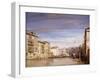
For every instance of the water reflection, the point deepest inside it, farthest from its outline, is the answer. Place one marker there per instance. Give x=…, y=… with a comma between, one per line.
x=52, y=62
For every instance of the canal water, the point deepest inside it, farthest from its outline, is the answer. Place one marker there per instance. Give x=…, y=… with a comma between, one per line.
x=52, y=62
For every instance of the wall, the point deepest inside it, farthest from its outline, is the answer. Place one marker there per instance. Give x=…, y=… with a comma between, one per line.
x=5, y=40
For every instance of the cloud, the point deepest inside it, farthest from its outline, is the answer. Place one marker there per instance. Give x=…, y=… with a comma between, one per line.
x=63, y=30
x=42, y=22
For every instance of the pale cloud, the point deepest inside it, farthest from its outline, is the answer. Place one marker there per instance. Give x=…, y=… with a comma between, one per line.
x=66, y=44
x=62, y=30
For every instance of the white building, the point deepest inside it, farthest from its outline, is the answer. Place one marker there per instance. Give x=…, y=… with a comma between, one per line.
x=55, y=51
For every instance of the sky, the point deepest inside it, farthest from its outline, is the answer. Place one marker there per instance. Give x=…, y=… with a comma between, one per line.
x=62, y=30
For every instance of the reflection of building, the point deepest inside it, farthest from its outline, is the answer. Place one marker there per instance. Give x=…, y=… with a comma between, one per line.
x=36, y=49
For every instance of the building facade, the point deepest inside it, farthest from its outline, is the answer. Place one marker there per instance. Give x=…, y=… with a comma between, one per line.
x=87, y=44
x=36, y=49
x=55, y=51
x=31, y=45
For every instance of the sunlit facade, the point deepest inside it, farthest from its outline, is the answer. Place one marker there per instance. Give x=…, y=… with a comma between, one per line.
x=36, y=49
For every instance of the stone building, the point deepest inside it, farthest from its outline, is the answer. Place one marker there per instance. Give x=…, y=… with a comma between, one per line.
x=31, y=45
x=55, y=51
x=41, y=49
x=36, y=49
x=46, y=49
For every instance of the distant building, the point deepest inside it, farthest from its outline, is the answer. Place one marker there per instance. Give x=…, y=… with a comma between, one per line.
x=65, y=52
x=44, y=49
x=55, y=51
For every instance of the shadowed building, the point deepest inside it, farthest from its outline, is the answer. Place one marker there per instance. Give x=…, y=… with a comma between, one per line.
x=87, y=44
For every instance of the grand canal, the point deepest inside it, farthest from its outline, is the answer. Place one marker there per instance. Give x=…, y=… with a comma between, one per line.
x=52, y=62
